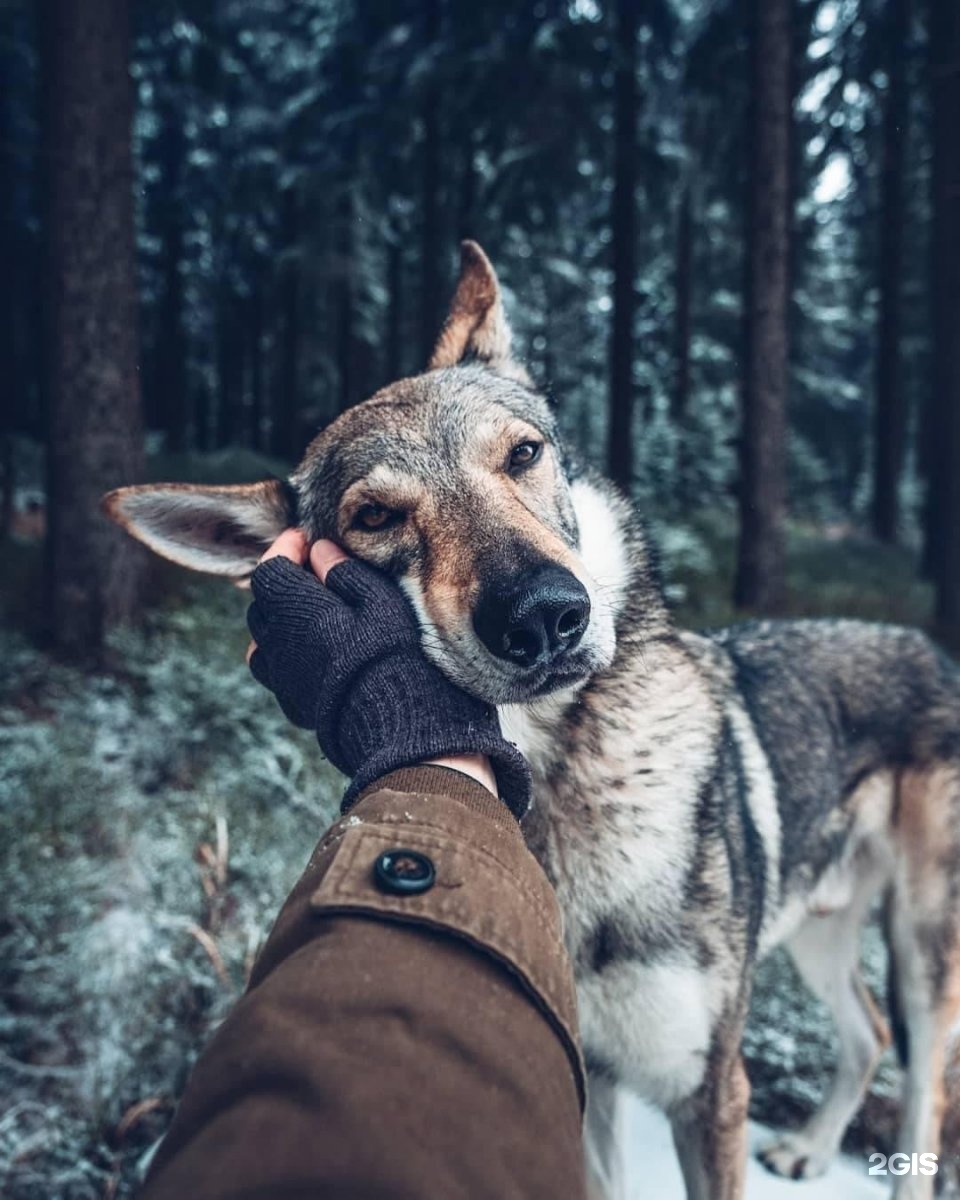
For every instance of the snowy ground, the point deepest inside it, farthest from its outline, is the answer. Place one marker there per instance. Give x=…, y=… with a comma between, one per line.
x=653, y=1170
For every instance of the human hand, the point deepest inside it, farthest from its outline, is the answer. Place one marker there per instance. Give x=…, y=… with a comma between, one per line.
x=340, y=650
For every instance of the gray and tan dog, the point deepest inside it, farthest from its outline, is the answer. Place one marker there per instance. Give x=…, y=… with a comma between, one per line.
x=698, y=799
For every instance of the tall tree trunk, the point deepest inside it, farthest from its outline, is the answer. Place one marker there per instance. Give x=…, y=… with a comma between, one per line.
x=430, y=235
x=202, y=414
x=945, y=45
x=935, y=456
x=13, y=294
x=95, y=434
x=229, y=369
x=623, y=221
x=255, y=362
x=683, y=292
x=467, y=198
x=286, y=401
x=345, y=341
x=394, y=363
x=547, y=367
x=760, y=580
x=8, y=483
x=346, y=323
x=171, y=357
x=890, y=416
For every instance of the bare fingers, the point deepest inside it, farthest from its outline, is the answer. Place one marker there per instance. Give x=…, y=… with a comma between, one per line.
x=324, y=556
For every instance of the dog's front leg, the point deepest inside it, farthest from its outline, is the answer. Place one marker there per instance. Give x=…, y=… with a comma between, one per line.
x=710, y=1131
x=602, y=1139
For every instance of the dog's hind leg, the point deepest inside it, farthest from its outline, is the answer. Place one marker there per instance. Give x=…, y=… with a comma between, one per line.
x=710, y=1128
x=826, y=950
x=923, y=929
x=928, y=1000
x=602, y=1144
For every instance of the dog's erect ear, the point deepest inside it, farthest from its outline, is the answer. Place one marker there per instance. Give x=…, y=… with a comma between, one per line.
x=220, y=530
x=476, y=328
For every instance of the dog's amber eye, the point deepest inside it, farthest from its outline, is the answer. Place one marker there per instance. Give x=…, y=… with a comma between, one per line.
x=525, y=454
x=375, y=516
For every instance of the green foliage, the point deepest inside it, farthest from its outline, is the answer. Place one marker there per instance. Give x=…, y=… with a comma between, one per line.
x=831, y=571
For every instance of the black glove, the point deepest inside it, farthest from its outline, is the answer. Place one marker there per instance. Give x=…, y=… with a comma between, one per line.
x=344, y=659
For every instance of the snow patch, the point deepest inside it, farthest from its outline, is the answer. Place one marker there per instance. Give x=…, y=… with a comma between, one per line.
x=652, y=1168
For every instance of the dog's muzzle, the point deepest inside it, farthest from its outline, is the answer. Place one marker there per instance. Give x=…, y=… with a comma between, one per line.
x=532, y=620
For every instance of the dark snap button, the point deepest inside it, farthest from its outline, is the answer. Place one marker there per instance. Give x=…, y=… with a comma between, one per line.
x=404, y=872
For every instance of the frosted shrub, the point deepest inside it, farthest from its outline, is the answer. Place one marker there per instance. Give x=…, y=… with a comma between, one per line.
x=151, y=823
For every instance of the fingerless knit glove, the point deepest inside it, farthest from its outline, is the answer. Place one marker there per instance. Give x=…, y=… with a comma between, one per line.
x=344, y=659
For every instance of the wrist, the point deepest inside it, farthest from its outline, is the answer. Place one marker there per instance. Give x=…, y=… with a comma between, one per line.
x=429, y=748
x=477, y=766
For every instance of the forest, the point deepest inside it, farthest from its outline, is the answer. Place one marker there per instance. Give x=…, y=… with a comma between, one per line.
x=729, y=237
x=728, y=232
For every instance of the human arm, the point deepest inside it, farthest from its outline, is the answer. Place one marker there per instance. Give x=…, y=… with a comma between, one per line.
x=396, y=1045
x=393, y=1043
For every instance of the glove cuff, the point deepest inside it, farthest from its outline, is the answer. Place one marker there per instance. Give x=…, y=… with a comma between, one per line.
x=402, y=711
x=509, y=766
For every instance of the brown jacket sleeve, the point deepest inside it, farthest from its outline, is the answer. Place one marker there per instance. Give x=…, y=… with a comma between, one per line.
x=396, y=1043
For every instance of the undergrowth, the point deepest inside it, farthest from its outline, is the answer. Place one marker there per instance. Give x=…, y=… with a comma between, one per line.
x=151, y=823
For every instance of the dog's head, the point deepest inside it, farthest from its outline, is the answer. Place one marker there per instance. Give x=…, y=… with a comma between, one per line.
x=454, y=483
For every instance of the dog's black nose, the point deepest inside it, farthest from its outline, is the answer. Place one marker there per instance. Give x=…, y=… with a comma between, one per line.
x=534, y=619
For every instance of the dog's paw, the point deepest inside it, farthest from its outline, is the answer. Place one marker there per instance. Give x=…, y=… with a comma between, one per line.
x=795, y=1157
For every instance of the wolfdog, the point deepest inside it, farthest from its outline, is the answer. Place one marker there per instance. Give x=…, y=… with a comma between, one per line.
x=699, y=798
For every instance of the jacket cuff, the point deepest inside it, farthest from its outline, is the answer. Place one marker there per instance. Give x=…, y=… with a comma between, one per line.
x=434, y=779
x=488, y=889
